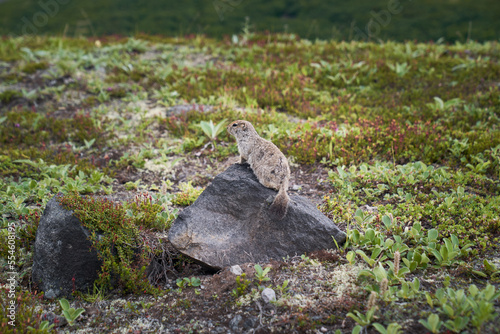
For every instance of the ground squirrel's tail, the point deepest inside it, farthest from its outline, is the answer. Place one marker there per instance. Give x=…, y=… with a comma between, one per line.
x=279, y=207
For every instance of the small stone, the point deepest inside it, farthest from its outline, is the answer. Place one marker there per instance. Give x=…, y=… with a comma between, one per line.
x=296, y=187
x=268, y=295
x=236, y=270
x=50, y=294
x=250, y=322
x=323, y=330
x=234, y=324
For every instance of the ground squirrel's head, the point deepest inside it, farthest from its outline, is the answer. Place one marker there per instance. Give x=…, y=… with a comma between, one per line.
x=241, y=129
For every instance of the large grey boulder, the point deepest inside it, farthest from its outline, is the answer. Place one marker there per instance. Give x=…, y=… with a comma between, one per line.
x=64, y=259
x=230, y=224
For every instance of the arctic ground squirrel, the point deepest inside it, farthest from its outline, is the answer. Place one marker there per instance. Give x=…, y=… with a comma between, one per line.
x=267, y=162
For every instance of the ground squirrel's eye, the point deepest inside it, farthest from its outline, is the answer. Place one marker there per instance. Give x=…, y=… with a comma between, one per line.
x=235, y=125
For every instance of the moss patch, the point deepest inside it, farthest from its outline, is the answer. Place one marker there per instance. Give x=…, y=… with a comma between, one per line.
x=117, y=239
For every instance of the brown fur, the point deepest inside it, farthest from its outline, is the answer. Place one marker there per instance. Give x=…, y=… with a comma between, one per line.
x=266, y=160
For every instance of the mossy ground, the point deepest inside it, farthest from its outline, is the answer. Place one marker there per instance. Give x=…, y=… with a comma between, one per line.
x=407, y=128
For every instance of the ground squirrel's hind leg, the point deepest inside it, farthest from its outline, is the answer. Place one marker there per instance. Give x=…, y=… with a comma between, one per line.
x=242, y=160
x=279, y=207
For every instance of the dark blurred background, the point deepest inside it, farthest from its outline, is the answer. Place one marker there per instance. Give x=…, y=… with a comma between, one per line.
x=421, y=20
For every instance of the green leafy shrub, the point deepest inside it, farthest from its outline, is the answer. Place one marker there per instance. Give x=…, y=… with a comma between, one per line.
x=147, y=212
x=117, y=240
x=31, y=68
x=363, y=141
x=420, y=192
x=31, y=128
x=187, y=195
x=465, y=309
x=241, y=285
x=31, y=135
x=26, y=312
x=212, y=131
x=9, y=95
x=70, y=313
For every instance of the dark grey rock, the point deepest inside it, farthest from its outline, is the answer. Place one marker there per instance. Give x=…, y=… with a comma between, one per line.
x=234, y=324
x=230, y=224
x=64, y=260
x=250, y=322
x=239, y=324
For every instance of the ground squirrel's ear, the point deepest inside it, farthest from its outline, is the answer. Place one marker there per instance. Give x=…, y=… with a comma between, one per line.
x=243, y=125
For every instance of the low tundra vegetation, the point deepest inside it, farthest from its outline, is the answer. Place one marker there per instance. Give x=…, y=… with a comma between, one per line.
x=400, y=140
